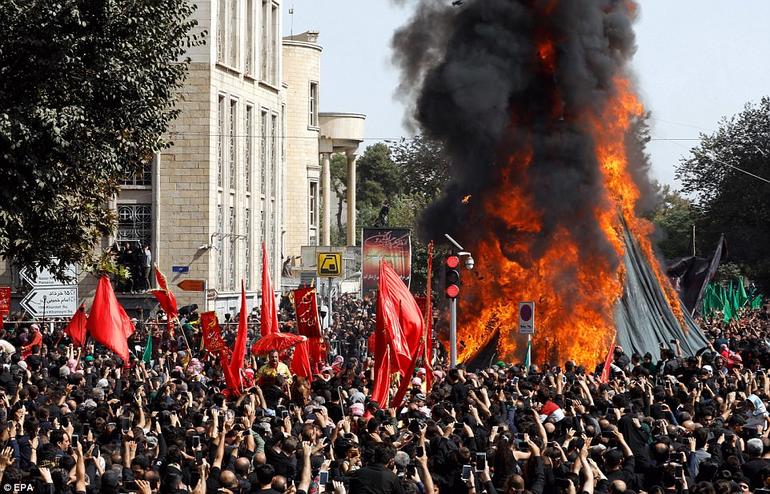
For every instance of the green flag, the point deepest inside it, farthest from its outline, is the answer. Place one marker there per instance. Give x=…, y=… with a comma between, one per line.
x=727, y=311
x=757, y=302
x=147, y=355
x=743, y=297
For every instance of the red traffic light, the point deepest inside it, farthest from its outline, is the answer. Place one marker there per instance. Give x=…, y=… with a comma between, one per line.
x=452, y=291
x=452, y=262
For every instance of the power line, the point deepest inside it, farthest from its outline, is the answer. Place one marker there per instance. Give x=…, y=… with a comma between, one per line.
x=389, y=138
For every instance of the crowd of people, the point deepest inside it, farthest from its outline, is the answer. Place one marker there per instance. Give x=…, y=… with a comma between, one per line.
x=76, y=420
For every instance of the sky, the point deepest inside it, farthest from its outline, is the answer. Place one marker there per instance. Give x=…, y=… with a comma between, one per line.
x=697, y=61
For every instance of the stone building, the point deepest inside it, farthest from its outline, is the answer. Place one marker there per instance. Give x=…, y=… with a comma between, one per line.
x=310, y=134
x=205, y=205
x=245, y=166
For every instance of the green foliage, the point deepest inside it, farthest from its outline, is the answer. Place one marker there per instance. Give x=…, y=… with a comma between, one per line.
x=86, y=93
x=728, y=200
x=674, y=218
x=423, y=166
x=377, y=177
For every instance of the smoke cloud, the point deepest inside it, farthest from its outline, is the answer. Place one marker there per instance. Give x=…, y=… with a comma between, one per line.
x=475, y=78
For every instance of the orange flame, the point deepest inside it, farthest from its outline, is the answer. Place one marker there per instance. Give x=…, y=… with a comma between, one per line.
x=575, y=320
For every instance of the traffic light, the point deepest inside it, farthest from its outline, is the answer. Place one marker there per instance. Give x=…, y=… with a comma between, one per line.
x=452, y=276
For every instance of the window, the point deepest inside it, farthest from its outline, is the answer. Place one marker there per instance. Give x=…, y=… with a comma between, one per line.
x=232, y=257
x=233, y=37
x=262, y=231
x=313, y=117
x=249, y=48
x=142, y=177
x=221, y=141
x=263, y=152
x=274, y=30
x=247, y=249
x=134, y=223
x=313, y=206
x=264, y=31
x=221, y=30
x=221, y=260
x=273, y=155
x=249, y=146
x=232, y=147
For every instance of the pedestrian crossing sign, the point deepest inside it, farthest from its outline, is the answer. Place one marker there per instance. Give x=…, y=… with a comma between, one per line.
x=329, y=264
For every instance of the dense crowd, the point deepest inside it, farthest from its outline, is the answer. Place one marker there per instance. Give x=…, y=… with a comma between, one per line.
x=76, y=420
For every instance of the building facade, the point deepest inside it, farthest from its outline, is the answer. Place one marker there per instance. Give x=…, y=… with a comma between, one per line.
x=249, y=164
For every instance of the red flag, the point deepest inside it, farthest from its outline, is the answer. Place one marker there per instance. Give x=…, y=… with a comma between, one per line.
x=300, y=362
x=108, y=323
x=269, y=316
x=76, y=329
x=605, y=377
x=165, y=297
x=381, y=386
x=399, y=330
x=317, y=351
x=239, y=350
x=212, y=335
x=306, y=309
x=215, y=345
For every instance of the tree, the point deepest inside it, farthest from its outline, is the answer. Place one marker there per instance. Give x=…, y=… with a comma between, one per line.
x=674, y=218
x=86, y=94
x=729, y=200
x=378, y=177
x=422, y=164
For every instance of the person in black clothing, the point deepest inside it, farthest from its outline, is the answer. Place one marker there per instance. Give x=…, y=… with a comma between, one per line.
x=377, y=477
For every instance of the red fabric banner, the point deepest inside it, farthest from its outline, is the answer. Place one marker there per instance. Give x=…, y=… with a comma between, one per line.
x=605, y=376
x=392, y=244
x=239, y=349
x=5, y=301
x=214, y=344
x=212, y=335
x=399, y=331
x=76, y=329
x=167, y=300
x=165, y=297
x=300, y=362
x=306, y=308
x=108, y=322
x=269, y=316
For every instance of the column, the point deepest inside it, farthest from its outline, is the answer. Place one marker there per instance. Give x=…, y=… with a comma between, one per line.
x=351, y=198
x=326, y=194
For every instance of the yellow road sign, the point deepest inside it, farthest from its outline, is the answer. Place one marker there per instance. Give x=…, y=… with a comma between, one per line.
x=329, y=264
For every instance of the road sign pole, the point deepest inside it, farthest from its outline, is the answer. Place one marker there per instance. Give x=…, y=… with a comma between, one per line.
x=453, y=332
x=329, y=303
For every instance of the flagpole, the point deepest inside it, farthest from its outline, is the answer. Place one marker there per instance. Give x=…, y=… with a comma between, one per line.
x=183, y=335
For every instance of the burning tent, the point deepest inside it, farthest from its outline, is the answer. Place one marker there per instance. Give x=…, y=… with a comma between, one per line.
x=534, y=102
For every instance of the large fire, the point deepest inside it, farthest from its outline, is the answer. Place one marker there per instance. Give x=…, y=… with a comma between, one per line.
x=575, y=318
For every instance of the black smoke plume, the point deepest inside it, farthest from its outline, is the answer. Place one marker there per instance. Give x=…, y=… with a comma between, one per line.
x=475, y=77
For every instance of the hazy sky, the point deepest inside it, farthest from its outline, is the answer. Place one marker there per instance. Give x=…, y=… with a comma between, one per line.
x=697, y=60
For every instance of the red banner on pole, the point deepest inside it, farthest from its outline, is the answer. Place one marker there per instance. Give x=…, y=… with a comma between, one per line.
x=394, y=245
x=306, y=308
x=5, y=301
x=212, y=335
